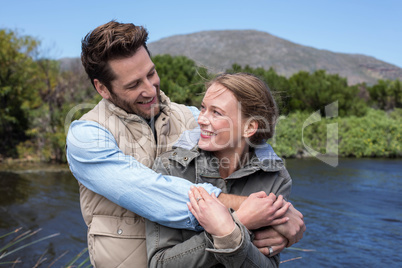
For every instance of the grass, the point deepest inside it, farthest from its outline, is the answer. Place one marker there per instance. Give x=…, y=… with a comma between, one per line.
x=16, y=243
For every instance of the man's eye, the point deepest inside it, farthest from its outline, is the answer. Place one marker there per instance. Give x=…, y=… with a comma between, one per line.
x=133, y=86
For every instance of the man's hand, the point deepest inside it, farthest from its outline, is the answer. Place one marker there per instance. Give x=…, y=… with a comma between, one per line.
x=269, y=237
x=260, y=210
x=294, y=228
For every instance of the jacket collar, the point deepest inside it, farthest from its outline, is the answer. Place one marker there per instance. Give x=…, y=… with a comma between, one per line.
x=265, y=156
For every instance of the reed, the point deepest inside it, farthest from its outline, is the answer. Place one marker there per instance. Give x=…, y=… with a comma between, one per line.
x=17, y=240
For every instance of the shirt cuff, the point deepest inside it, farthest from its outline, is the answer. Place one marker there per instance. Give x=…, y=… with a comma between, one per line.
x=231, y=240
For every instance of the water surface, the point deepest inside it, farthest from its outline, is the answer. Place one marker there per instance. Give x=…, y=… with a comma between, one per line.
x=352, y=212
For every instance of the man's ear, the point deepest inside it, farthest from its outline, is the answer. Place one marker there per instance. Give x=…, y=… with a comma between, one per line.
x=102, y=89
x=250, y=128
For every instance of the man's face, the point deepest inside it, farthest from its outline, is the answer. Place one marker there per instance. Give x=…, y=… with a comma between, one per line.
x=136, y=87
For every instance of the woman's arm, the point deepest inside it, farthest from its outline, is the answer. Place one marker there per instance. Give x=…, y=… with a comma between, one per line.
x=169, y=248
x=216, y=220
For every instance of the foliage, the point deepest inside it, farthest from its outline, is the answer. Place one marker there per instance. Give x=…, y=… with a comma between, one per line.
x=181, y=80
x=18, y=88
x=309, y=92
x=39, y=100
x=377, y=134
x=386, y=94
x=312, y=92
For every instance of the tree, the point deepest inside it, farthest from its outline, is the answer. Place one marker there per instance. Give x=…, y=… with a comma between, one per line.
x=312, y=92
x=181, y=79
x=18, y=84
x=386, y=94
x=60, y=90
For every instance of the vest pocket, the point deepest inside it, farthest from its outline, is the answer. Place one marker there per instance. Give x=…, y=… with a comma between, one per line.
x=115, y=241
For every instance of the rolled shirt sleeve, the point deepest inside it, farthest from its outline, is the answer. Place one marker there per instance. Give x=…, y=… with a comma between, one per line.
x=97, y=162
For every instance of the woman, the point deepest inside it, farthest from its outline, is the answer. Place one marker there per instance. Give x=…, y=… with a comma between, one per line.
x=238, y=112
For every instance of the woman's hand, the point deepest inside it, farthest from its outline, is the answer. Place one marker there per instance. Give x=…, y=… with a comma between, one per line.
x=210, y=212
x=260, y=210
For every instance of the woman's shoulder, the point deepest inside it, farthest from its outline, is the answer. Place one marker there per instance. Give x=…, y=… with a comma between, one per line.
x=180, y=155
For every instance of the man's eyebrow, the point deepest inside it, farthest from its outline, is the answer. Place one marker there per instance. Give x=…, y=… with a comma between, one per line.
x=130, y=84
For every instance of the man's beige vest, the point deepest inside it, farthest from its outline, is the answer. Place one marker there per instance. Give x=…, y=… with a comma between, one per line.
x=116, y=236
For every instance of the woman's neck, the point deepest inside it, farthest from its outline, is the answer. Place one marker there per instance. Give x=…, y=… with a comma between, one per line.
x=232, y=160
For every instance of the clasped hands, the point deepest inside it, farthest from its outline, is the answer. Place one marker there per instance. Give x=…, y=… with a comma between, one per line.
x=274, y=221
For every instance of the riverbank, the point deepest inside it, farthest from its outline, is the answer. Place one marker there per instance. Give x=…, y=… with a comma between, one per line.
x=25, y=166
x=302, y=135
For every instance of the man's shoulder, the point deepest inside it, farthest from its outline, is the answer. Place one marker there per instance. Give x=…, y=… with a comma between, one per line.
x=96, y=111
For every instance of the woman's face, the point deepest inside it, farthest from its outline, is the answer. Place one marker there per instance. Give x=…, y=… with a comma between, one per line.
x=220, y=121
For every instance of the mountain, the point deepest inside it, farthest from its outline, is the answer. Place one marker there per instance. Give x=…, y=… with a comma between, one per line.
x=218, y=50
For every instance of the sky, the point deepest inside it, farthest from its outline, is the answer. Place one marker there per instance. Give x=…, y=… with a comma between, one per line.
x=368, y=27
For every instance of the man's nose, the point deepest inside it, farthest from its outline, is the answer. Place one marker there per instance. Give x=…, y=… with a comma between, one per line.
x=149, y=89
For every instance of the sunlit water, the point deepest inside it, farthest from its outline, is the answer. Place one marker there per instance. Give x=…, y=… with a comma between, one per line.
x=353, y=213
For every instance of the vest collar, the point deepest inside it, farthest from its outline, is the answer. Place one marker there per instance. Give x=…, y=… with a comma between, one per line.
x=164, y=105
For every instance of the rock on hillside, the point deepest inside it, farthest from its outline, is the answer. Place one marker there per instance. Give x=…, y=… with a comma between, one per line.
x=218, y=50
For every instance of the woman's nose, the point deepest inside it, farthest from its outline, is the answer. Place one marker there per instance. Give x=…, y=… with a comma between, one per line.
x=202, y=119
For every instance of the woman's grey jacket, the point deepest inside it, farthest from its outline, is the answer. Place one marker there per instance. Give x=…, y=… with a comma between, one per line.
x=167, y=247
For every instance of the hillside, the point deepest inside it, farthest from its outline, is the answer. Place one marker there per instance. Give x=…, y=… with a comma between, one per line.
x=218, y=50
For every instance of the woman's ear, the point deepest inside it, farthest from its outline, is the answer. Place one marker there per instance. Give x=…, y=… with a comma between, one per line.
x=250, y=128
x=102, y=89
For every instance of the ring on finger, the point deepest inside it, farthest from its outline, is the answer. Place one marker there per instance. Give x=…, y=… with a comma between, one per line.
x=271, y=251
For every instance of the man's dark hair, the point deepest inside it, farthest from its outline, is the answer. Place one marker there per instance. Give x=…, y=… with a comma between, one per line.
x=110, y=41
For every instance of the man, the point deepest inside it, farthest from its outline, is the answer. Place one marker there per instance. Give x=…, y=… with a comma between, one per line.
x=111, y=148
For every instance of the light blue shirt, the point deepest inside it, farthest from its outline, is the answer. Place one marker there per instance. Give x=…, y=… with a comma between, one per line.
x=97, y=162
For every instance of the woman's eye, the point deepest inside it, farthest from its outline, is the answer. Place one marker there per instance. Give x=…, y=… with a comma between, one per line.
x=217, y=113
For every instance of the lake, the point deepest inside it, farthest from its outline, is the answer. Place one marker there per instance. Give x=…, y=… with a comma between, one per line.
x=352, y=212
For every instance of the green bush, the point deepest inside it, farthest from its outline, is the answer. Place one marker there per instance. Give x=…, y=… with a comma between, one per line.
x=378, y=134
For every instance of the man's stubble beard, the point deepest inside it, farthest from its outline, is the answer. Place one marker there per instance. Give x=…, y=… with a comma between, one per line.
x=134, y=109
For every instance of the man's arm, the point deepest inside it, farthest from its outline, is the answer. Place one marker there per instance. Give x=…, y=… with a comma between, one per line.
x=96, y=161
x=231, y=200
